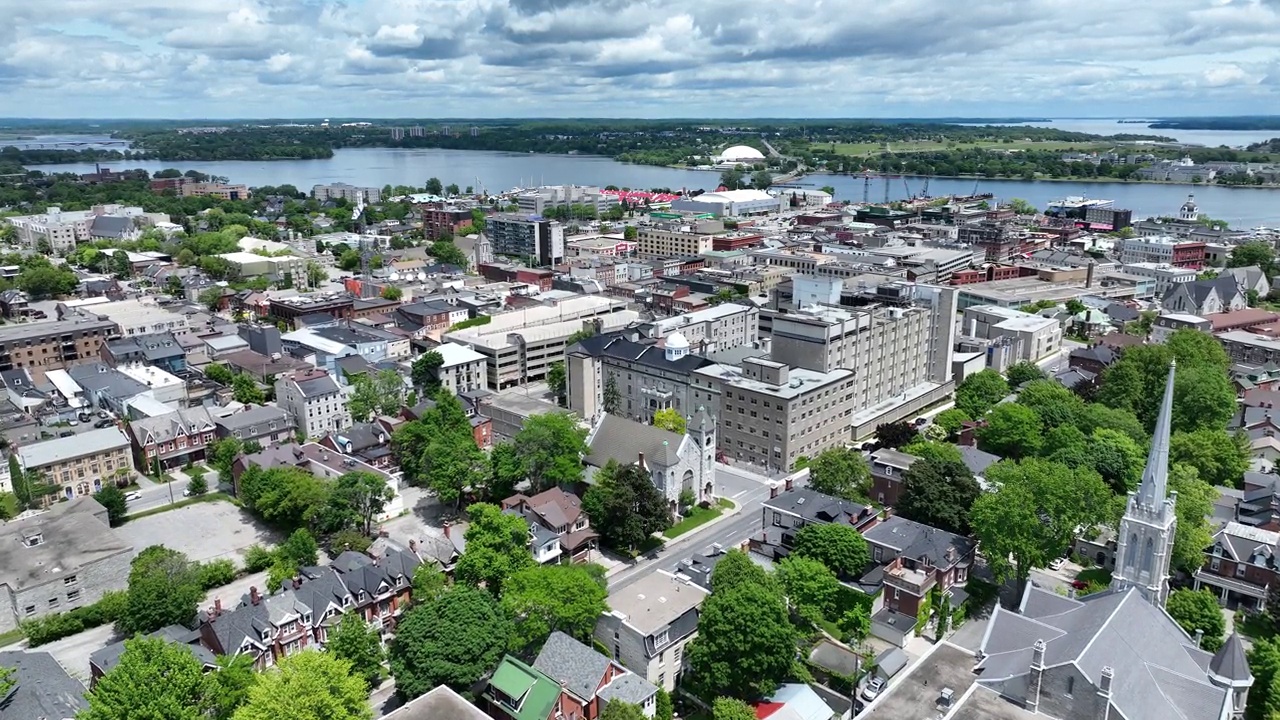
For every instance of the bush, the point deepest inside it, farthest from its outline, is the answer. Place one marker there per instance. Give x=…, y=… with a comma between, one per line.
x=46, y=629
x=258, y=558
x=215, y=573
x=349, y=540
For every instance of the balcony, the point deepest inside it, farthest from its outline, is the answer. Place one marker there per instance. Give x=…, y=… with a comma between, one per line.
x=912, y=582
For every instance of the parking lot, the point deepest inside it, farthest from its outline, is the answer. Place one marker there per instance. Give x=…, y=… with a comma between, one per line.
x=204, y=531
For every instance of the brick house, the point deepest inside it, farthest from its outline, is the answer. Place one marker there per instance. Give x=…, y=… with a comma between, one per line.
x=380, y=586
x=567, y=681
x=175, y=438
x=560, y=513
x=790, y=508
x=1240, y=565
x=915, y=557
x=369, y=442
x=888, y=472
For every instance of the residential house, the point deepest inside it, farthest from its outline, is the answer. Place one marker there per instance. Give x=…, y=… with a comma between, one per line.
x=650, y=626
x=161, y=350
x=888, y=473
x=264, y=424
x=380, y=586
x=577, y=680
x=676, y=463
x=175, y=438
x=463, y=369
x=1250, y=278
x=439, y=703
x=1240, y=565
x=102, y=661
x=315, y=401
x=59, y=560
x=795, y=701
x=1204, y=297
x=22, y=391
x=268, y=628
x=1093, y=360
x=559, y=513
x=912, y=558
x=321, y=461
x=41, y=688
x=369, y=442
x=79, y=466
x=14, y=303
x=790, y=508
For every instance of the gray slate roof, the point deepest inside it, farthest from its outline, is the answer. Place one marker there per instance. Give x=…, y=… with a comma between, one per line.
x=1159, y=673
x=440, y=703
x=919, y=541
x=629, y=688
x=1230, y=661
x=620, y=439
x=109, y=656
x=43, y=690
x=254, y=416
x=110, y=226
x=572, y=664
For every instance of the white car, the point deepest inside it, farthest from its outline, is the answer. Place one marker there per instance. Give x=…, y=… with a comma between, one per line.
x=873, y=688
x=1057, y=564
x=133, y=496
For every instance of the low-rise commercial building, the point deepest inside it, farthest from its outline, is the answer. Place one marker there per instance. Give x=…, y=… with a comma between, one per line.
x=78, y=467
x=1036, y=336
x=1166, y=276
x=1163, y=249
x=281, y=270
x=730, y=203
x=143, y=316
x=462, y=369
x=677, y=239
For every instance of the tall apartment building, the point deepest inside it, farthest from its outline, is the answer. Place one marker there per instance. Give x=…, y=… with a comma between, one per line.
x=526, y=237
x=439, y=219
x=723, y=327
x=538, y=200
x=350, y=193
x=45, y=346
x=771, y=414
x=648, y=378
x=677, y=239
x=63, y=229
x=901, y=338
x=521, y=345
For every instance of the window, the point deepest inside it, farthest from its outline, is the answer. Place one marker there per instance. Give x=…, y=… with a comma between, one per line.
x=29, y=610
x=1240, y=569
x=69, y=580
x=73, y=595
x=54, y=602
x=1071, y=685
x=661, y=639
x=662, y=679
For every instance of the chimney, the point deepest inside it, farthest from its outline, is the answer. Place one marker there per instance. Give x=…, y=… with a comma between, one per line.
x=446, y=529
x=254, y=597
x=640, y=462
x=789, y=483
x=1199, y=637
x=1037, y=670
x=1088, y=275
x=1104, y=691
x=413, y=544
x=217, y=607
x=773, y=490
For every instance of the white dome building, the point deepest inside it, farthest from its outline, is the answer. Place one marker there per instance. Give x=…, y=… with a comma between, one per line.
x=677, y=346
x=738, y=155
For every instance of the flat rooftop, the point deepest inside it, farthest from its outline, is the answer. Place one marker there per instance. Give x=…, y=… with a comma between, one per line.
x=916, y=694
x=655, y=601
x=41, y=454
x=800, y=380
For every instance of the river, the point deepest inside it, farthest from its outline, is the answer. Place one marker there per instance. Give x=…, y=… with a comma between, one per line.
x=498, y=172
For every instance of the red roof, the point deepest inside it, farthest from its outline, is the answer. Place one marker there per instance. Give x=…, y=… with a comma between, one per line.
x=765, y=709
x=1241, y=318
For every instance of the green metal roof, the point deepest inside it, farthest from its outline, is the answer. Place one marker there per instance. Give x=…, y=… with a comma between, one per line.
x=534, y=692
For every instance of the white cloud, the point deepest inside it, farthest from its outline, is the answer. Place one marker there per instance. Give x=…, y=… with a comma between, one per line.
x=847, y=58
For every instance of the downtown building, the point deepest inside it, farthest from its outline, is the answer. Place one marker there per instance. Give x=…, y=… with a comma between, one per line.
x=528, y=237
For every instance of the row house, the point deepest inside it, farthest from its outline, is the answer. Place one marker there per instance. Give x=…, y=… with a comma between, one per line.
x=263, y=424
x=381, y=586
x=789, y=509
x=557, y=517
x=567, y=681
x=888, y=474
x=172, y=439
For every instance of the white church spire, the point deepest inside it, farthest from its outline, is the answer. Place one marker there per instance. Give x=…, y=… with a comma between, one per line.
x=1144, y=543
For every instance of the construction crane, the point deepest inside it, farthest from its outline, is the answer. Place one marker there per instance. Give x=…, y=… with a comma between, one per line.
x=886, y=189
x=866, y=188
x=480, y=186
x=925, y=192
x=975, y=189
x=906, y=187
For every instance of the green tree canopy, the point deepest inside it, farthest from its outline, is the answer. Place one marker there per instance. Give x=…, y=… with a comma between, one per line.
x=1194, y=505
x=1023, y=372
x=1033, y=514
x=360, y=645
x=939, y=494
x=1053, y=404
x=669, y=419
x=552, y=446
x=838, y=546
x=112, y=498
x=810, y=587
x=1198, y=610
x=451, y=640
x=951, y=420
x=625, y=507
x=725, y=708
x=745, y=644
x=1219, y=458
x=497, y=548
x=979, y=392
x=736, y=569
x=153, y=679
x=1012, y=431
x=544, y=598
x=428, y=582
x=616, y=709
x=1256, y=253
x=308, y=685
x=842, y=472
x=164, y=589
x=1117, y=458
x=424, y=369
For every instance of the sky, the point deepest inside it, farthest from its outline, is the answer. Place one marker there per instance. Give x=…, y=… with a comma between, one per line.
x=637, y=58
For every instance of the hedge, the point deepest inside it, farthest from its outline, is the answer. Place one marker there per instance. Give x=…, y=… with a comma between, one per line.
x=108, y=609
x=473, y=322
x=216, y=573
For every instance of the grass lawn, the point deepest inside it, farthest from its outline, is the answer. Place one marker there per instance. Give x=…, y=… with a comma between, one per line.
x=11, y=637
x=697, y=517
x=1095, y=575
x=1256, y=626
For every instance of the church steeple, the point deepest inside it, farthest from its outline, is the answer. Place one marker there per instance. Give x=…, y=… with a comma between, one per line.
x=1145, y=539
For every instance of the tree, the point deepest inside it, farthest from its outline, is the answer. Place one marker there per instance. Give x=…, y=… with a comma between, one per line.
x=938, y=494
x=611, y=400
x=1198, y=610
x=855, y=624
x=316, y=274
x=163, y=590
x=1033, y=514
x=245, y=390
x=360, y=645
x=428, y=582
x=153, y=679
x=1203, y=398
x=625, y=506
x=355, y=500
x=212, y=298
x=497, y=548
x=219, y=373
x=1272, y=607
x=1096, y=415
x=745, y=645
x=451, y=640
x=951, y=420
x=424, y=371
x=229, y=684
x=308, y=685
x=505, y=471
x=1012, y=431
x=979, y=392
x=300, y=549
x=1255, y=253
x=1117, y=458
x=725, y=708
x=736, y=569
x=1023, y=372
x=1195, y=502
x=1022, y=207
x=10, y=506
x=363, y=401
x=838, y=546
x=542, y=599
x=1264, y=663
x=433, y=187
x=810, y=586
x=551, y=445
x=197, y=486
x=732, y=179
x=1054, y=404
x=557, y=381
x=761, y=179
x=896, y=434
x=669, y=419
x=391, y=292
x=617, y=709
x=112, y=498
x=840, y=471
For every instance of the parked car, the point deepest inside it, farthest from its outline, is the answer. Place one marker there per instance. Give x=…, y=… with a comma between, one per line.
x=66, y=433
x=1079, y=584
x=102, y=413
x=873, y=688
x=108, y=422
x=1057, y=563
x=133, y=496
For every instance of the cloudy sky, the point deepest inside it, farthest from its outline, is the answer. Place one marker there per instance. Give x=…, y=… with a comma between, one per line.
x=637, y=58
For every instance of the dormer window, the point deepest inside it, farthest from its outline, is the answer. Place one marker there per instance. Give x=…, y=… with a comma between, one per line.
x=266, y=634
x=34, y=540
x=661, y=639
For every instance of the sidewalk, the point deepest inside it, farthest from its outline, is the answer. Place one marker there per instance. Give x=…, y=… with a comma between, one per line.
x=669, y=544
